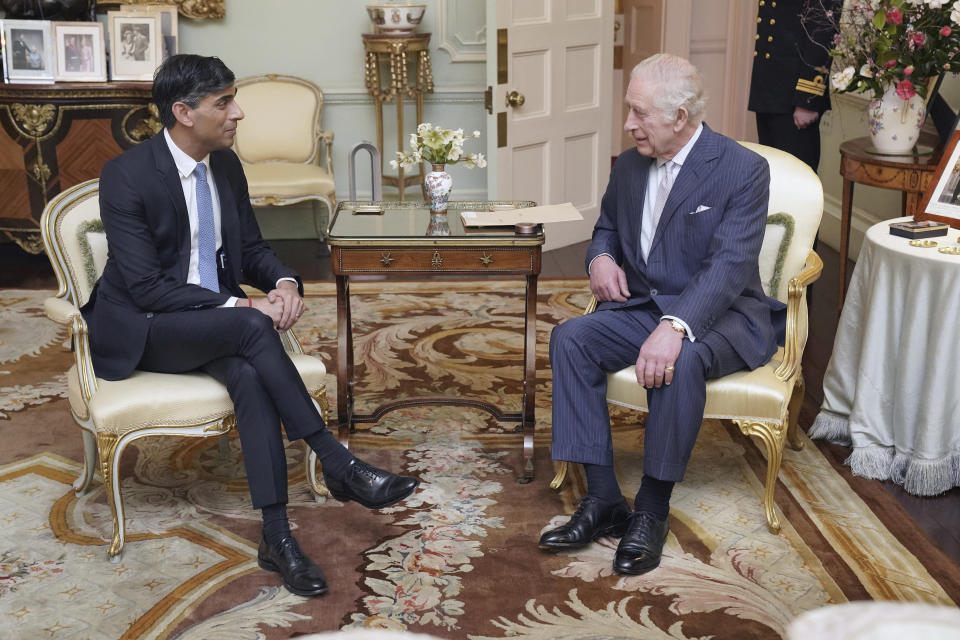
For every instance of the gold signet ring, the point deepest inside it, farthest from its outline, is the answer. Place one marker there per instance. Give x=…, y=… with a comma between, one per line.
x=670, y=369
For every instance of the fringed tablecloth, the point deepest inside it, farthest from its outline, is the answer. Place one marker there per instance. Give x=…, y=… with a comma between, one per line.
x=892, y=387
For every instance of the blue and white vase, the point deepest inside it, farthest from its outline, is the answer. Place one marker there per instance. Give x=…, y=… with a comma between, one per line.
x=437, y=184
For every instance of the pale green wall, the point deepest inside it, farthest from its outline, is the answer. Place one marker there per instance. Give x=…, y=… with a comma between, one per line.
x=320, y=40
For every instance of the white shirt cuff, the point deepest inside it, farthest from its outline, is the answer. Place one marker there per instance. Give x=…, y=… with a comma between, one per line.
x=293, y=280
x=686, y=327
x=231, y=302
x=595, y=257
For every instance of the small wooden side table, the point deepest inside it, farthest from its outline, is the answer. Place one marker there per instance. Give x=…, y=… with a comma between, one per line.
x=397, y=51
x=911, y=174
x=394, y=245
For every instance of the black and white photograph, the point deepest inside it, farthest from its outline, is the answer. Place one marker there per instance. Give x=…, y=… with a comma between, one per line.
x=81, y=56
x=168, y=24
x=28, y=51
x=136, y=44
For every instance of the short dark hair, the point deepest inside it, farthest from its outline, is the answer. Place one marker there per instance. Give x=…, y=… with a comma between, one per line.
x=187, y=78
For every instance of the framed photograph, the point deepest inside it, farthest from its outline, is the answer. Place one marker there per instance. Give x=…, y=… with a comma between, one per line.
x=27, y=51
x=81, y=52
x=136, y=44
x=168, y=23
x=941, y=202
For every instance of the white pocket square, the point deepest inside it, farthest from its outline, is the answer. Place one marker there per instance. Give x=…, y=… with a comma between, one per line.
x=700, y=209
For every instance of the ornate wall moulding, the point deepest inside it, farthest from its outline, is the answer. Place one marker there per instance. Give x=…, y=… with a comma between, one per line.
x=462, y=30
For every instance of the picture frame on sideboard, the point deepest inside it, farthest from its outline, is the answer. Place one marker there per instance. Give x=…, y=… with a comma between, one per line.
x=81, y=54
x=28, y=54
x=136, y=44
x=168, y=23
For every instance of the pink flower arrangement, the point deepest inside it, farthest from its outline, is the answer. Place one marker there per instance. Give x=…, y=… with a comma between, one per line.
x=899, y=43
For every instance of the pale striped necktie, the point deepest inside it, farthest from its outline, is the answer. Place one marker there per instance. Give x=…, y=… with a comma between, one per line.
x=667, y=174
x=206, y=232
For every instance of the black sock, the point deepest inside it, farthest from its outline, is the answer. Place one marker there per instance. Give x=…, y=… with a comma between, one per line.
x=654, y=496
x=275, y=523
x=334, y=457
x=602, y=482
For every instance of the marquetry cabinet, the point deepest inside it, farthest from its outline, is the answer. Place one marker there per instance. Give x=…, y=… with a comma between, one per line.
x=55, y=136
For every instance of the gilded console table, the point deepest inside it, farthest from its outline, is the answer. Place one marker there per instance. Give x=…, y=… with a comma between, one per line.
x=399, y=53
x=55, y=136
x=395, y=244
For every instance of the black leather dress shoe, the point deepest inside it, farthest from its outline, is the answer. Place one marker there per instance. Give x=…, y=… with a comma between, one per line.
x=640, y=549
x=591, y=520
x=372, y=487
x=300, y=575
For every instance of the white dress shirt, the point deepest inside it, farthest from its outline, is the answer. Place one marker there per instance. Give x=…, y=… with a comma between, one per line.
x=185, y=166
x=649, y=225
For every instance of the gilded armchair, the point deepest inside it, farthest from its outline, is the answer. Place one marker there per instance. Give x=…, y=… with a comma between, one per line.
x=287, y=156
x=765, y=402
x=113, y=414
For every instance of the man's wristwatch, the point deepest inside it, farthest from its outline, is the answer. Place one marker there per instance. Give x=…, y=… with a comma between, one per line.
x=678, y=327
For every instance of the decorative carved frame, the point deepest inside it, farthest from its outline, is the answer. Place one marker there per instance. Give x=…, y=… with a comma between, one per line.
x=196, y=9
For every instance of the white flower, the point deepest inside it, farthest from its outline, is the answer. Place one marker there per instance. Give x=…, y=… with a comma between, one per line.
x=422, y=128
x=394, y=164
x=955, y=13
x=476, y=134
x=841, y=79
x=936, y=4
x=865, y=71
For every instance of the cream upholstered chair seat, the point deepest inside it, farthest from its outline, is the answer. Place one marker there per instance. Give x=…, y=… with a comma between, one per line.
x=113, y=414
x=764, y=402
x=287, y=156
x=286, y=180
x=755, y=395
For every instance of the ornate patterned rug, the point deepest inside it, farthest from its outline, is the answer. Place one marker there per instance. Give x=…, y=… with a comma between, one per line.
x=459, y=558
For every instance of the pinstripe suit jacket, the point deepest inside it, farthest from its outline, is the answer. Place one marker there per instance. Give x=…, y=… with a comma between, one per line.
x=702, y=266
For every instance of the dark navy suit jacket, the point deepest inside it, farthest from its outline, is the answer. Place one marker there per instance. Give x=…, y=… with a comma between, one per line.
x=148, y=238
x=703, y=262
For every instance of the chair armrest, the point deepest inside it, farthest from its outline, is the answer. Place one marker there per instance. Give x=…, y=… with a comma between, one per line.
x=65, y=313
x=60, y=311
x=327, y=138
x=290, y=342
x=793, y=342
x=591, y=306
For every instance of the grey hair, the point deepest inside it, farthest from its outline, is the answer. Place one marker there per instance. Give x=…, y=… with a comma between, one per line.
x=678, y=84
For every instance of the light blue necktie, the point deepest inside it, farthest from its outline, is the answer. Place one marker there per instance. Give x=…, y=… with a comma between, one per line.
x=206, y=232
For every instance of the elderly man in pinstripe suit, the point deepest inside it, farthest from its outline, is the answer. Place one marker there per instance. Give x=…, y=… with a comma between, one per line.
x=673, y=264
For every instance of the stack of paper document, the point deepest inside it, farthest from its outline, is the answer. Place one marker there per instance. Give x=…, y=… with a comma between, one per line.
x=509, y=217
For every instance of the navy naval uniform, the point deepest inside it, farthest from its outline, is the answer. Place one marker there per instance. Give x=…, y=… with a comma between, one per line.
x=791, y=68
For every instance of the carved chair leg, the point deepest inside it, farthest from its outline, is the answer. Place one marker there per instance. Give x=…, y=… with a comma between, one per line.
x=82, y=483
x=321, y=218
x=560, y=476
x=314, y=474
x=793, y=417
x=109, y=467
x=772, y=436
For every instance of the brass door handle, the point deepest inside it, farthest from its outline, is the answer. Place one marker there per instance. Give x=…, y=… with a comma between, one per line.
x=515, y=99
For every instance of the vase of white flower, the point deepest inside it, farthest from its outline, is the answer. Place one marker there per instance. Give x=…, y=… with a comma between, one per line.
x=439, y=147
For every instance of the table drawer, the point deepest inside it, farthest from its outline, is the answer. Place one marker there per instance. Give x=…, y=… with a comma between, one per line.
x=437, y=260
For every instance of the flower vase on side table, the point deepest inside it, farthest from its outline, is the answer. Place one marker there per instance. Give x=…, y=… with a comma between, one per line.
x=438, y=184
x=895, y=123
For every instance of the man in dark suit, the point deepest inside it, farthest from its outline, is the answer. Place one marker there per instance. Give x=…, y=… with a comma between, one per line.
x=791, y=66
x=181, y=238
x=673, y=264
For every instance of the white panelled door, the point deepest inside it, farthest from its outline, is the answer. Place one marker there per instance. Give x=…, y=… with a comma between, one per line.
x=550, y=64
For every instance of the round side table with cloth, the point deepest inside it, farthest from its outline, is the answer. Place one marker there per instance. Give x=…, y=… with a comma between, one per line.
x=877, y=621
x=892, y=387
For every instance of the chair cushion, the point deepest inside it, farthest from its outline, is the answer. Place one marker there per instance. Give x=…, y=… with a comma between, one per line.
x=287, y=180
x=756, y=394
x=159, y=399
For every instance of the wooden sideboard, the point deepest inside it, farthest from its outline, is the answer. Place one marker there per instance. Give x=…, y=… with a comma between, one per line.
x=55, y=136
